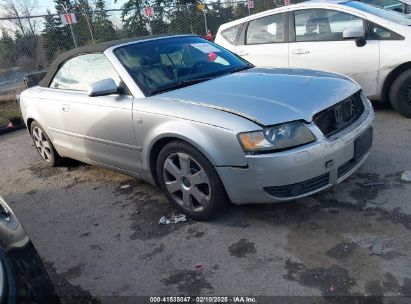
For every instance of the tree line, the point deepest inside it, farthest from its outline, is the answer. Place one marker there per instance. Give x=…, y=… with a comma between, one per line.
x=23, y=45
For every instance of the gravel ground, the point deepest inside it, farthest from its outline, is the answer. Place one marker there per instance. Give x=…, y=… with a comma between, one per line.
x=99, y=240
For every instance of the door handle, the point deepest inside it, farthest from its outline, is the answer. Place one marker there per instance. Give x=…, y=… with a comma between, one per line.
x=242, y=53
x=300, y=52
x=65, y=107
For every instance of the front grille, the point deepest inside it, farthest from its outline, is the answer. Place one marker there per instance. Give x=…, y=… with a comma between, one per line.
x=299, y=188
x=340, y=115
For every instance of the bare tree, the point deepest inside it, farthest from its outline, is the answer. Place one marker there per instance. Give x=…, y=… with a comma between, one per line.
x=20, y=12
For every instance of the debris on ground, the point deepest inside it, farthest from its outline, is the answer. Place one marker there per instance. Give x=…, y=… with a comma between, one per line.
x=125, y=186
x=406, y=176
x=199, y=266
x=376, y=247
x=372, y=184
x=174, y=219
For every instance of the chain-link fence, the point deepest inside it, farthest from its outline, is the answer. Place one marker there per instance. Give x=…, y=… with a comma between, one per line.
x=28, y=44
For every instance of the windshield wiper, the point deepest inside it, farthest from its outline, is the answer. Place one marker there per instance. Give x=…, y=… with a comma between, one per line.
x=180, y=84
x=189, y=82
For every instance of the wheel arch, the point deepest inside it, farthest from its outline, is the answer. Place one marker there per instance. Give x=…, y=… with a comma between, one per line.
x=160, y=143
x=28, y=123
x=389, y=80
x=219, y=146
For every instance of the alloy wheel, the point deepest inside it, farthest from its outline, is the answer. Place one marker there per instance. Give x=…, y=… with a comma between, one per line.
x=42, y=144
x=186, y=181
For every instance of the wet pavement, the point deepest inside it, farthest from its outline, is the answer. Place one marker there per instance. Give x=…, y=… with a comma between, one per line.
x=98, y=239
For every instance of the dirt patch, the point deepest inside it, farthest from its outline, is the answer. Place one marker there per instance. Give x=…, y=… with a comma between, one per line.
x=189, y=282
x=368, y=186
x=31, y=192
x=332, y=281
x=73, y=272
x=342, y=250
x=43, y=171
x=194, y=232
x=157, y=250
x=242, y=248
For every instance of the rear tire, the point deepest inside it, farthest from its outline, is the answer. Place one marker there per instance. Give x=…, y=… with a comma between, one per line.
x=44, y=145
x=400, y=94
x=190, y=181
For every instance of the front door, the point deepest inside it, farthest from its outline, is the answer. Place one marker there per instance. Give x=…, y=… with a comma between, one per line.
x=319, y=45
x=100, y=128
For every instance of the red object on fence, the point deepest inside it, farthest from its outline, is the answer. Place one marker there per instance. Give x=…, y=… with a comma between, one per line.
x=208, y=36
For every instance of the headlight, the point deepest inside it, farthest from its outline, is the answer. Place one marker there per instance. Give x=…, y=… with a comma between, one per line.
x=278, y=137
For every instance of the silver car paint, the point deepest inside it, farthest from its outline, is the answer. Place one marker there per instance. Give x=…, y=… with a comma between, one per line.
x=119, y=132
x=294, y=94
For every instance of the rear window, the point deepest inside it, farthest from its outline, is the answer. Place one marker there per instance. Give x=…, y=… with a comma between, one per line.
x=232, y=34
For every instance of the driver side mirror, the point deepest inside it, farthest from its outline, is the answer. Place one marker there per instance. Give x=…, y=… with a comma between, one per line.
x=102, y=87
x=356, y=34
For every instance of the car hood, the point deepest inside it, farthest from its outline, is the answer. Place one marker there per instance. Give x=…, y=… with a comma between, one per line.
x=269, y=96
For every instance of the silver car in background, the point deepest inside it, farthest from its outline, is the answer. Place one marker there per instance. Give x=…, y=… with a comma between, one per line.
x=200, y=122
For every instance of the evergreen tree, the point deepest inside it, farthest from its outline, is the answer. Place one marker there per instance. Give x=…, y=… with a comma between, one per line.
x=57, y=38
x=103, y=26
x=8, y=54
x=134, y=22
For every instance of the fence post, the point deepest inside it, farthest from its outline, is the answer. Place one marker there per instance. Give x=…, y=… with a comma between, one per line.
x=150, y=30
x=205, y=21
x=89, y=28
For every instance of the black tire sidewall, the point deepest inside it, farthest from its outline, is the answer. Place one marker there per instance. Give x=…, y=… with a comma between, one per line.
x=218, y=195
x=55, y=158
x=397, y=98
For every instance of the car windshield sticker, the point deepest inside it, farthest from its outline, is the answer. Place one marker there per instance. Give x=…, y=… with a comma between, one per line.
x=205, y=47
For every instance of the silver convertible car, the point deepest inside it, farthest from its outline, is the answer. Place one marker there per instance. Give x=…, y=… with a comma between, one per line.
x=203, y=124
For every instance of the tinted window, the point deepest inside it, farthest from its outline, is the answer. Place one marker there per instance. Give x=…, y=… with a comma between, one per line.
x=232, y=34
x=167, y=64
x=81, y=71
x=268, y=29
x=323, y=25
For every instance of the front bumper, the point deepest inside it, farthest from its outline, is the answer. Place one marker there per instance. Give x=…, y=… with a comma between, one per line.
x=292, y=174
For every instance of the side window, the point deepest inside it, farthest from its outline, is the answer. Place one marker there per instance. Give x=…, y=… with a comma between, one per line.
x=268, y=29
x=232, y=34
x=376, y=32
x=81, y=71
x=62, y=78
x=323, y=25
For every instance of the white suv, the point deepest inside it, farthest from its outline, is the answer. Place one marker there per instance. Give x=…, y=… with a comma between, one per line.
x=367, y=43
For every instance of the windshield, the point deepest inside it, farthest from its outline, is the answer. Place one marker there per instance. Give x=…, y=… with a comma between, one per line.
x=165, y=64
x=386, y=14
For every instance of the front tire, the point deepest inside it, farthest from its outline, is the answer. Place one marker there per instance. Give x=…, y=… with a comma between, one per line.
x=43, y=145
x=190, y=181
x=400, y=94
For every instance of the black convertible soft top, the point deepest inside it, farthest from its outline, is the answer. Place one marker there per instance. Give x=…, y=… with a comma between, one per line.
x=96, y=48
